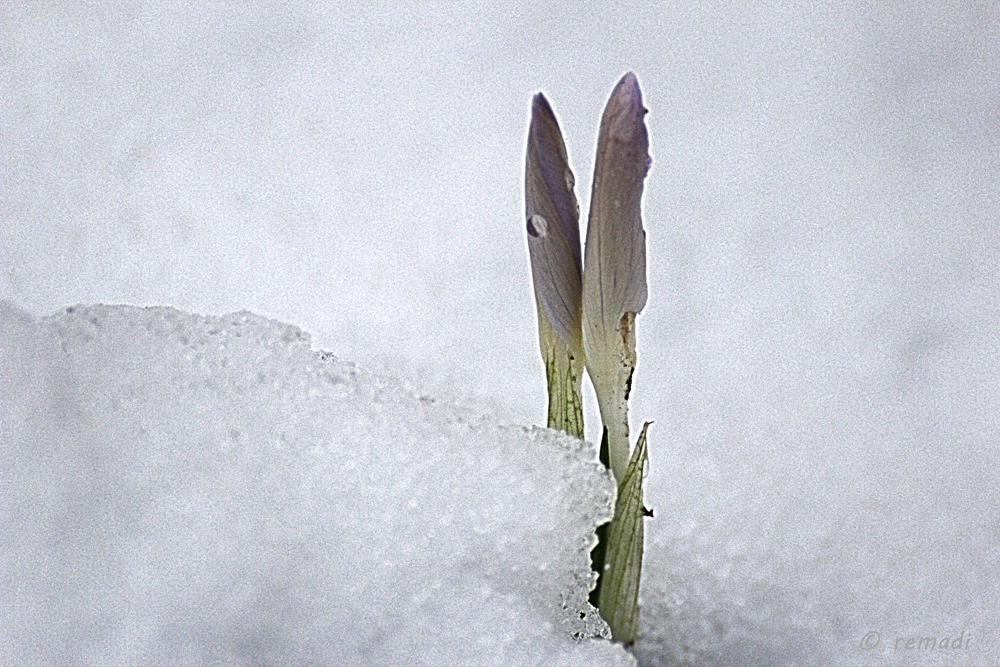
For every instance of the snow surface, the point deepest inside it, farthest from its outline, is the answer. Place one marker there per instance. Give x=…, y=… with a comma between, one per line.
x=819, y=352
x=185, y=490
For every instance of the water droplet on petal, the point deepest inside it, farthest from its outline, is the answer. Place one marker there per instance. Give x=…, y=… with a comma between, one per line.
x=538, y=226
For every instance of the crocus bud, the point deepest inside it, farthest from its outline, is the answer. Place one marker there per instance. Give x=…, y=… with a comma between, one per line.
x=614, y=280
x=552, y=222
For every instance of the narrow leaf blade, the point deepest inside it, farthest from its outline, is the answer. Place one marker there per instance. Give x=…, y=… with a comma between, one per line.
x=619, y=594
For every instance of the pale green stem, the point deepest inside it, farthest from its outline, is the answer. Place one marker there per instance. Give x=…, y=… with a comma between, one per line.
x=611, y=363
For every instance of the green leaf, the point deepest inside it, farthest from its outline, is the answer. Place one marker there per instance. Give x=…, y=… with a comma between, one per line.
x=564, y=376
x=619, y=596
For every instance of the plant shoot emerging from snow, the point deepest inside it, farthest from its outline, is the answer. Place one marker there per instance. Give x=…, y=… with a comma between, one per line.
x=586, y=315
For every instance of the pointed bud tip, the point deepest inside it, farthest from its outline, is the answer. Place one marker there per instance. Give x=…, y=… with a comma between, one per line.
x=625, y=110
x=542, y=116
x=627, y=91
x=539, y=104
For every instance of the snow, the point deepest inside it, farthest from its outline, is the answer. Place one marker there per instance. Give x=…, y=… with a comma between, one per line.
x=818, y=353
x=210, y=490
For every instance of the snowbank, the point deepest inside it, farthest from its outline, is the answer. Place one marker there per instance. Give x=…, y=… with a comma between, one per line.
x=191, y=490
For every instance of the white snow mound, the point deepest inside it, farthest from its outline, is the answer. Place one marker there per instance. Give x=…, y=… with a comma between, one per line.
x=187, y=490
